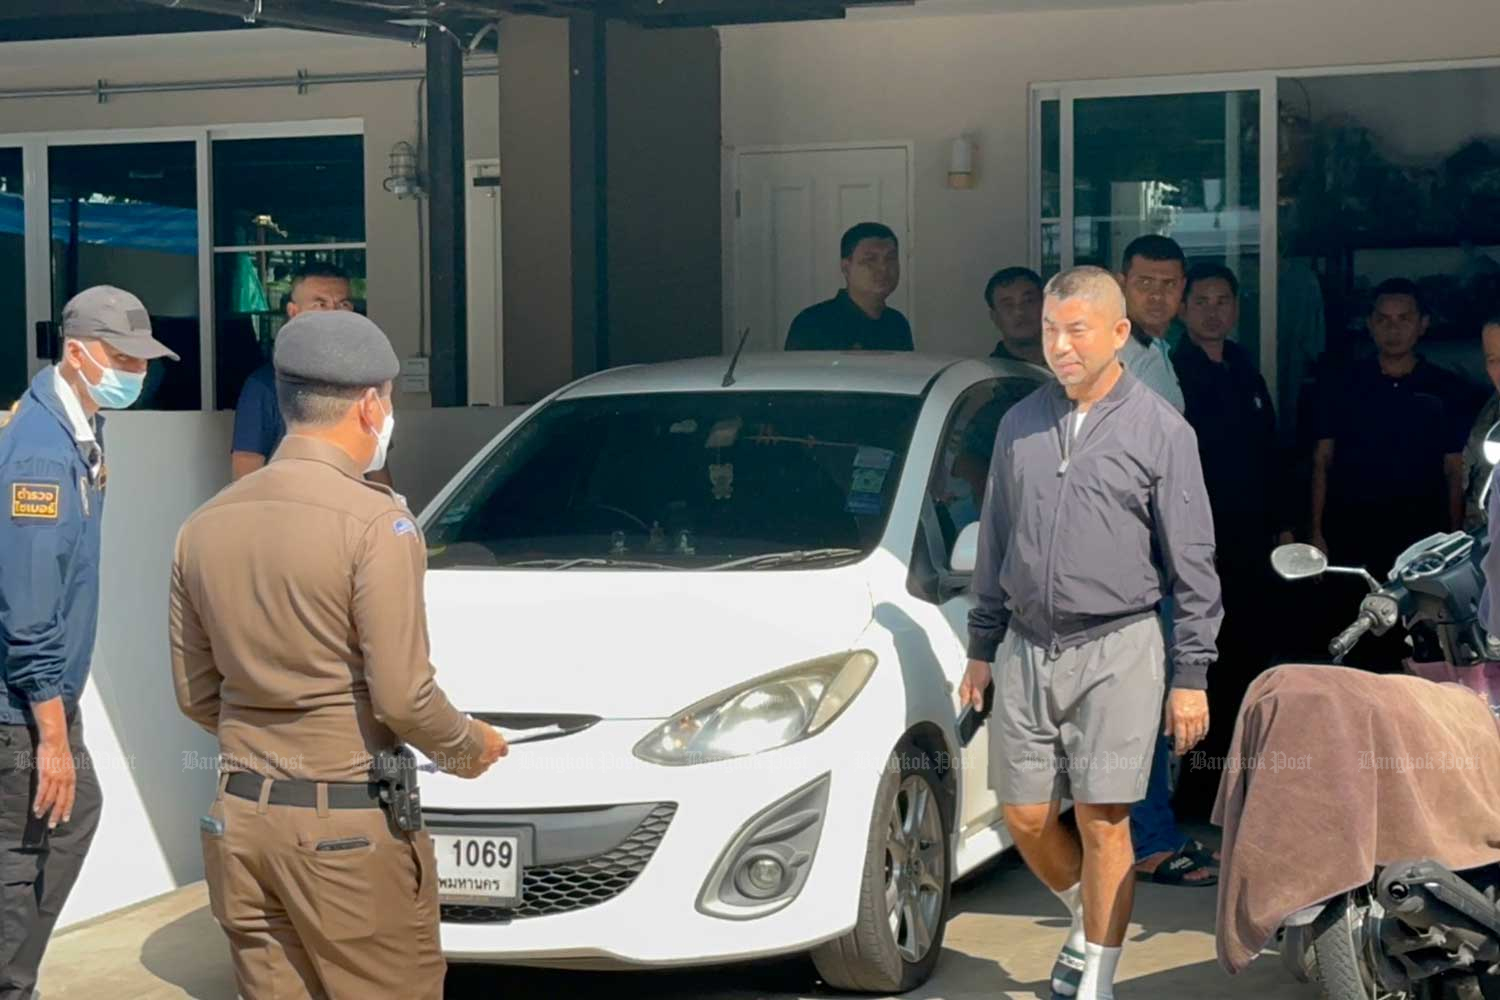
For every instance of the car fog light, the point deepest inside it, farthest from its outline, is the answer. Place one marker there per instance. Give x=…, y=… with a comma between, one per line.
x=767, y=863
x=763, y=877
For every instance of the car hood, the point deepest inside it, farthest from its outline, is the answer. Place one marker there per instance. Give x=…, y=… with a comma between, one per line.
x=630, y=645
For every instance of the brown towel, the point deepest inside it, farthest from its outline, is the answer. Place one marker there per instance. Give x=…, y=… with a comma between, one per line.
x=1340, y=771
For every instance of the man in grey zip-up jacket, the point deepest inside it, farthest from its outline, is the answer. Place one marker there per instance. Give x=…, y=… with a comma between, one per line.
x=1096, y=511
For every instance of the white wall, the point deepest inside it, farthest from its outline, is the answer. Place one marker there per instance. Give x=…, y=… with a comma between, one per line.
x=161, y=467
x=897, y=74
x=389, y=111
x=155, y=766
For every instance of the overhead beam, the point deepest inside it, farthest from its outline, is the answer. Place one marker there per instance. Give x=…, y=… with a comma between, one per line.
x=445, y=205
x=151, y=22
x=279, y=15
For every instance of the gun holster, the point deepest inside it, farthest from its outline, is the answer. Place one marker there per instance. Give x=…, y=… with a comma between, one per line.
x=395, y=771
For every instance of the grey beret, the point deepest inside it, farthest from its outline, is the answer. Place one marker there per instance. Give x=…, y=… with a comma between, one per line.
x=334, y=348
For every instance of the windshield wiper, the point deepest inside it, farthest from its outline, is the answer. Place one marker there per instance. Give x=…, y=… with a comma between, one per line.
x=794, y=556
x=588, y=561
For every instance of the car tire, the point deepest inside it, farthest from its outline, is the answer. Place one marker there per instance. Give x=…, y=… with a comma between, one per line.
x=898, y=934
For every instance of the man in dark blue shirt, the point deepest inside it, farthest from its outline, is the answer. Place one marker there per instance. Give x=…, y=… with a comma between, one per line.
x=258, y=426
x=52, y=478
x=857, y=318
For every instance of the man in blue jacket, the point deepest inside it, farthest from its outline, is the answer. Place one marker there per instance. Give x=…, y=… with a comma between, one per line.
x=1096, y=513
x=52, y=474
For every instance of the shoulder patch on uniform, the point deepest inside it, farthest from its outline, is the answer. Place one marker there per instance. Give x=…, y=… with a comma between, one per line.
x=404, y=526
x=35, y=501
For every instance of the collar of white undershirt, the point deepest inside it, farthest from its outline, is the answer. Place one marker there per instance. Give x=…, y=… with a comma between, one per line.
x=82, y=426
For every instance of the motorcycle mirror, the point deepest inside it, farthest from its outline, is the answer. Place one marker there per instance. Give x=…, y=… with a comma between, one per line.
x=1492, y=446
x=1299, y=562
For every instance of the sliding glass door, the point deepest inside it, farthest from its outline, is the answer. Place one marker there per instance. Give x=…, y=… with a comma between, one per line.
x=1120, y=160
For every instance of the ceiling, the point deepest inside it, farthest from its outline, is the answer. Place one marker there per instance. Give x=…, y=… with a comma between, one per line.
x=22, y=20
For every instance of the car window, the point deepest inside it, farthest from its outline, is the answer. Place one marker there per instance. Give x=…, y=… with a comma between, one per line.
x=962, y=469
x=683, y=480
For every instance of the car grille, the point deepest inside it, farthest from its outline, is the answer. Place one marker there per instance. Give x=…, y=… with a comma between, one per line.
x=576, y=885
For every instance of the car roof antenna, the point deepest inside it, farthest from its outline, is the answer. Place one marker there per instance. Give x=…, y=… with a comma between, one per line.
x=729, y=375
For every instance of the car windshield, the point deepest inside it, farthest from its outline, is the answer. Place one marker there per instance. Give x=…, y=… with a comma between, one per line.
x=714, y=480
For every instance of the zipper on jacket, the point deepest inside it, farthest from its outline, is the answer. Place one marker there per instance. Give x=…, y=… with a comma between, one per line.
x=1055, y=649
x=1069, y=429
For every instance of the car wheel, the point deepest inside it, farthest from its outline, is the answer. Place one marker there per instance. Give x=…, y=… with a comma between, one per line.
x=903, y=895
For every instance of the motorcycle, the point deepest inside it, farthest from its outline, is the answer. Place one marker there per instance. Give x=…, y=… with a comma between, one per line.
x=1418, y=929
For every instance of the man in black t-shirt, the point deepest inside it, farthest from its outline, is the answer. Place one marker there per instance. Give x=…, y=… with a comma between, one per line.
x=857, y=318
x=1230, y=410
x=1014, y=297
x=1391, y=431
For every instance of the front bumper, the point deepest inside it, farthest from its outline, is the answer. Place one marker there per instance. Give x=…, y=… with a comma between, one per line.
x=622, y=849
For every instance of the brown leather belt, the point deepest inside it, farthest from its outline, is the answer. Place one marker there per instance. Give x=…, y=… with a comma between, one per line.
x=341, y=795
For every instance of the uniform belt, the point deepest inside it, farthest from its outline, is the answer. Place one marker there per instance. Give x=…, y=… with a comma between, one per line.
x=341, y=795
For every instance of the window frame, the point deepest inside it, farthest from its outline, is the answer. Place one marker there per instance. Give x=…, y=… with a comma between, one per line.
x=270, y=132
x=34, y=149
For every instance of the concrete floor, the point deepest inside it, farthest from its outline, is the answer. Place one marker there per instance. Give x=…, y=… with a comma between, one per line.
x=1001, y=941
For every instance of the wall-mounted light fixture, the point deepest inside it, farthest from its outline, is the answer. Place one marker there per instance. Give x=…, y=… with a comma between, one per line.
x=402, y=179
x=961, y=157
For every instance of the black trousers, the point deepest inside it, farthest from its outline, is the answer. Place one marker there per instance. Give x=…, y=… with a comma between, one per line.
x=38, y=867
x=1245, y=650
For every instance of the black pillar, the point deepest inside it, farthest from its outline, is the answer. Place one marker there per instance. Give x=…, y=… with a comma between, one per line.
x=445, y=187
x=590, y=225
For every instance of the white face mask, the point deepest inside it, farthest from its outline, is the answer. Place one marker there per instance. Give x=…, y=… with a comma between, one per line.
x=383, y=441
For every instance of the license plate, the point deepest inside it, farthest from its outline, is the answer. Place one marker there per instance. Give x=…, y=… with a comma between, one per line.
x=476, y=869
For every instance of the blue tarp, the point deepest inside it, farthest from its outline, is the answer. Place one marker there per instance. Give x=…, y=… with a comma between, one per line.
x=137, y=226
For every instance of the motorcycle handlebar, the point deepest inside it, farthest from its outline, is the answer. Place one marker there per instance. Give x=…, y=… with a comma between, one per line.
x=1351, y=635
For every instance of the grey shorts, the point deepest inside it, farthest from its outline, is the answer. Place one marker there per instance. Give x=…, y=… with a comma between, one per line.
x=1082, y=726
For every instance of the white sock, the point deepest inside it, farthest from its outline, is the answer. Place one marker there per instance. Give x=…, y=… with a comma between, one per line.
x=1098, y=972
x=1073, y=900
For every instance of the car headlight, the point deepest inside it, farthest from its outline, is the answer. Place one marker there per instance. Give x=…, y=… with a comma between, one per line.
x=763, y=714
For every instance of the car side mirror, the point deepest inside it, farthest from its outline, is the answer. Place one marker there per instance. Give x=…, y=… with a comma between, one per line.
x=1299, y=562
x=966, y=550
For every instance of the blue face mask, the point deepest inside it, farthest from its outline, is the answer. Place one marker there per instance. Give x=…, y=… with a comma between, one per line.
x=116, y=390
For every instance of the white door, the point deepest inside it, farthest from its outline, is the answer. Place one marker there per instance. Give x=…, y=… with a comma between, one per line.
x=792, y=208
x=482, y=256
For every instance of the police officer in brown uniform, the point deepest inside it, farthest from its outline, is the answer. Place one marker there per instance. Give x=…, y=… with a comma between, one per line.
x=299, y=638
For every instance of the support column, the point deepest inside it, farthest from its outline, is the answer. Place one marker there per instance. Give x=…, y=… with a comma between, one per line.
x=587, y=129
x=445, y=207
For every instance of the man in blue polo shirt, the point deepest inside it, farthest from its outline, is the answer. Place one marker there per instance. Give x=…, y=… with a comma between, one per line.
x=52, y=478
x=258, y=426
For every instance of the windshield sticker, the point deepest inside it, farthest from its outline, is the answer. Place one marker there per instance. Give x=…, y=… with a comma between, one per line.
x=722, y=479
x=685, y=427
x=868, y=481
x=861, y=502
x=874, y=458
x=454, y=515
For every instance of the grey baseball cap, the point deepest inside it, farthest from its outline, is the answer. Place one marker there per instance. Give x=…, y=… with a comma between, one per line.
x=116, y=317
x=334, y=348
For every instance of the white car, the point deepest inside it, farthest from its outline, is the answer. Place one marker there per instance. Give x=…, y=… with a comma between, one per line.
x=720, y=615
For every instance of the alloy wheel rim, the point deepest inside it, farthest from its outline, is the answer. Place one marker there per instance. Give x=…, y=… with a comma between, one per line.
x=915, y=869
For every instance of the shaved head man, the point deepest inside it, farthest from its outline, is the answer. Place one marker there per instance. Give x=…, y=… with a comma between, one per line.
x=1096, y=518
